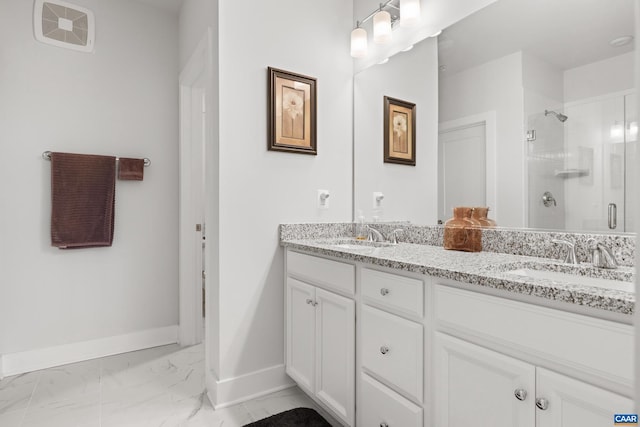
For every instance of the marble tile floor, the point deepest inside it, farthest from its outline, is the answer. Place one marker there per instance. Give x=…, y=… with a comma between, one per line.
x=158, y=387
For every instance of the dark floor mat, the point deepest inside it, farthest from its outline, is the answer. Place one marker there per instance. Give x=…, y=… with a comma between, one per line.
x=299, y=417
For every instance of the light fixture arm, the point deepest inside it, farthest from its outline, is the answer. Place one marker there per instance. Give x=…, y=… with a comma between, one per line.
x=388, y=3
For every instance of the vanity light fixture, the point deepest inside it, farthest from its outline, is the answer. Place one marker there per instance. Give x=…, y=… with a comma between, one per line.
x=358, y=42
x=385, y=18
x=409, y=13
x=382, y=27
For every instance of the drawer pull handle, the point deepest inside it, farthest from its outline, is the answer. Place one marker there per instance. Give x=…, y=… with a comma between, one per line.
x=542, y=403
x=383, y=424
x=384, y=292
x=384, y=349
x=521, y=394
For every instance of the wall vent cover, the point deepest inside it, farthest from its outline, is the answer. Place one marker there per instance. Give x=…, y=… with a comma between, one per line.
x=64, y=25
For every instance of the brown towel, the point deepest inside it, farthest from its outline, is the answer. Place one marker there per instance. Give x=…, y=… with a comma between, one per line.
x=130, y=169
x=83, y=189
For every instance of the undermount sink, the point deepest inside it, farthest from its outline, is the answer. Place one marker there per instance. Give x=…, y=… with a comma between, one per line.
x=556, y=276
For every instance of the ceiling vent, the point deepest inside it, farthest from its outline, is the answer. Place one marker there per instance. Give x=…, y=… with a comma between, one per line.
x=64, y=25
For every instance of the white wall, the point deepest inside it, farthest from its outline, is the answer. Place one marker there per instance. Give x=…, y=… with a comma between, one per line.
x=608, y=76
x=260, y=189
x=119, y=100
x=195, y=17
x=411, y=192
x=494, y=86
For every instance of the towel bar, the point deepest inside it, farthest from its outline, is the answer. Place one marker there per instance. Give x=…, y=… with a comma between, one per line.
x=47, y=156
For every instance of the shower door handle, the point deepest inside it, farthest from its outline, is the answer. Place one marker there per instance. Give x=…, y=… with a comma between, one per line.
x=613, y=216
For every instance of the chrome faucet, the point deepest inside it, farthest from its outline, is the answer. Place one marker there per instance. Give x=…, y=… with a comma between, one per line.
x=374, y=235
x=601, y=256
x=570, y=258
x=393, y=237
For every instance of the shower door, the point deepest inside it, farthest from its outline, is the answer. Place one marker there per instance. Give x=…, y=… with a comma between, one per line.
x=586, y=162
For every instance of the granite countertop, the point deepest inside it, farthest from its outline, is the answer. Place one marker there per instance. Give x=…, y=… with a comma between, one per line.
x=488, y=269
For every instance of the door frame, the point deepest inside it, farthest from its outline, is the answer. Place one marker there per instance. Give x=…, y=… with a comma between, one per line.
x=197, y=73
x=489, y=120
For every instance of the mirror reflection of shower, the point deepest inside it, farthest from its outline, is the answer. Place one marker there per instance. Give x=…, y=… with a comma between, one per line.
x=558, y=116
x=586, y=162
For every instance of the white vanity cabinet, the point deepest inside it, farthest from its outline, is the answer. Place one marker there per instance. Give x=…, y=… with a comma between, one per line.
x=517, y=386
x=391, y=350
x=320, y=331
x=418, y=351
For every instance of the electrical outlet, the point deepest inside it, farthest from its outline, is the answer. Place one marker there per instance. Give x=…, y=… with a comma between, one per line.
x=377, y=200
x=323, y=199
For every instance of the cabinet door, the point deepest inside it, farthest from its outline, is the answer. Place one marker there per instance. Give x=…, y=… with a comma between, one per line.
x=477, y=387
x=335, y=354
x=572, y=403
x=300, y=333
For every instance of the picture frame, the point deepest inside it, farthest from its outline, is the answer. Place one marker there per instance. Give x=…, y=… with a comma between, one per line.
x=399, y=131
x=292, y=112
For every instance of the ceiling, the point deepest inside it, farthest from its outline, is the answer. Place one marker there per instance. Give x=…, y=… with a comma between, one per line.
x=172, y=5
x=564, y=33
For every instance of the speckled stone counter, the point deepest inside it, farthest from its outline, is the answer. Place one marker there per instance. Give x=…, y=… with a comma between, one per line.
x=487, y=269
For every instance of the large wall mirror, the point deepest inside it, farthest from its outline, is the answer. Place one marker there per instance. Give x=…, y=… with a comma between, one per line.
x=527, y=107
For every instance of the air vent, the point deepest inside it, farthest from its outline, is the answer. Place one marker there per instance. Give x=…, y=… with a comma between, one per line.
x=64, y=25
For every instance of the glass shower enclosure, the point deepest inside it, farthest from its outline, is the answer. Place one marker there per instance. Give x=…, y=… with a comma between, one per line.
x=580, y=165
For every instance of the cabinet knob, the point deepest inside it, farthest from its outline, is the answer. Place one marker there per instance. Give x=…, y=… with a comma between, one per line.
x=384, y=291
x=310, y=301
x=383, y=424
x=384, y=349
x=521, y=394
x=542, y=403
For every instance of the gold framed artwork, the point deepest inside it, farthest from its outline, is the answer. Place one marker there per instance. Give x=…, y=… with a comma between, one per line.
x=399, y=131
x=292, y=112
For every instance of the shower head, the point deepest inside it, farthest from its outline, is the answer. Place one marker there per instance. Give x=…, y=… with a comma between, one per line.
x=559, y=116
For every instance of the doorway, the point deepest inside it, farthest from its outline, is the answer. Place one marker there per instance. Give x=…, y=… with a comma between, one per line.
x=195, y=80
x=466, y=159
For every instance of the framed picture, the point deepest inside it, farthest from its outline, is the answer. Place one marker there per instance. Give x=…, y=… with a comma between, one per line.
x=399, y=131
x=292, y=112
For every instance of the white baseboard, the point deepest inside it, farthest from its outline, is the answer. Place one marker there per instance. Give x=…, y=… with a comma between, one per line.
x=232, y=391
x=33, y=360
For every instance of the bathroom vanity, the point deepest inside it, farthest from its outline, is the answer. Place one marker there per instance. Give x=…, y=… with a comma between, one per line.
x=413, y=335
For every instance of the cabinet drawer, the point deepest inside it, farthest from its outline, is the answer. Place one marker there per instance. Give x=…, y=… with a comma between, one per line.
x=594, y=346
x=382, y=406
x=399, y=293
x=392, y=349
x=323, y=272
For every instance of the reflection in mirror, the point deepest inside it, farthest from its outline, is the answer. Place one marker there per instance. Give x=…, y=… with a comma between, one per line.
x=537, y=114
x=408, y=192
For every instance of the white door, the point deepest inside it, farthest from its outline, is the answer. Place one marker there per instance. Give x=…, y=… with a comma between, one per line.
x=335, y=353
x=193, y=127
x=462, y=164
x=572, y=403
x=475, y=386
x=300, y=347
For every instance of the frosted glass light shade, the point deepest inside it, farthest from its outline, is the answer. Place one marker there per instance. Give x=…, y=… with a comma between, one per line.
x=359, y=43
x=382, y=27
x=409, y=13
